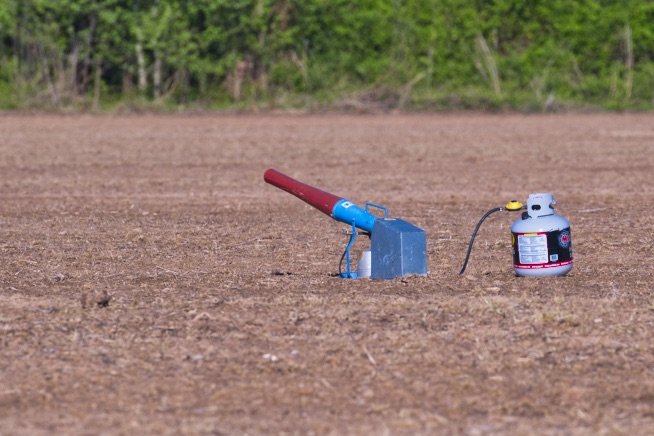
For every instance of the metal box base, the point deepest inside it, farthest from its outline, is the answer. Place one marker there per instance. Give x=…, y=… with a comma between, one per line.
x=398, y=249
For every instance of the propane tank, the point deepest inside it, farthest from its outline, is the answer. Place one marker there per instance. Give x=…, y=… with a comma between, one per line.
x=541, y=239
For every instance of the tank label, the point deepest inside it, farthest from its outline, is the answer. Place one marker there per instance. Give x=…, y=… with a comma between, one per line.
x=542, y=249
x=533, y=248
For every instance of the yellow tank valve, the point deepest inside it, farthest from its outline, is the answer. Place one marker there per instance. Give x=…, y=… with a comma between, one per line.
x=513, y=205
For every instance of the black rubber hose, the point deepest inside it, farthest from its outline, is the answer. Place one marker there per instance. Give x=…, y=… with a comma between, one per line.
x=340, y=262
x=472, y=239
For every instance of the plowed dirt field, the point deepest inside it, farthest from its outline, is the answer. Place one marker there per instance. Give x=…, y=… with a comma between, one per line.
x=152, y=283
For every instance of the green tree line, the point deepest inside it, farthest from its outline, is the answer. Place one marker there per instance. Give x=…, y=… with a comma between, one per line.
x=401, y=55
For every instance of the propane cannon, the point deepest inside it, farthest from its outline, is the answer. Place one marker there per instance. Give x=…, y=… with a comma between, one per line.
x=397, y=248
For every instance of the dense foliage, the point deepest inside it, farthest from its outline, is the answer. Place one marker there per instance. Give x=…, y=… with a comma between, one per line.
x=411, y=55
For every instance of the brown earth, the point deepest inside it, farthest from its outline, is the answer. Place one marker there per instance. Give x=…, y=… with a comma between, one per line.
x=151, y=282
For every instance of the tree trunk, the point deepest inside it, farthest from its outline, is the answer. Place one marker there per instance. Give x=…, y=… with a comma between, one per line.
x=156, y=76
x=97, y=83
x=85, y=79
x=140, y=61
x=629, y=61
x=73, y=59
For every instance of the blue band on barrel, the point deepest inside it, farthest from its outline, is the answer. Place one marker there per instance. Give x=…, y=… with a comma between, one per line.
x=348, y=212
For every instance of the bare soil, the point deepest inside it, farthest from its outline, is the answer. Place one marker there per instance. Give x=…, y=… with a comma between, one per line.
x=151, y=282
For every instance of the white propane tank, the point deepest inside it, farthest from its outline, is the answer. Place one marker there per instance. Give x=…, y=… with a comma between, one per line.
x=541, y=239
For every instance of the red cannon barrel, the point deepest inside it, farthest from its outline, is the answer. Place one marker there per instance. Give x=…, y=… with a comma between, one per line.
x=321, y=200
x=336, y=207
